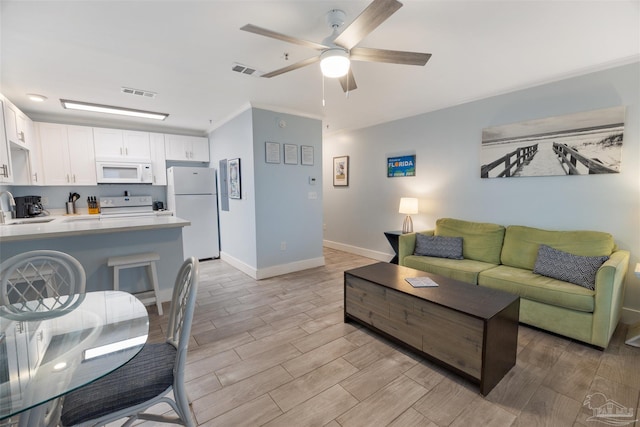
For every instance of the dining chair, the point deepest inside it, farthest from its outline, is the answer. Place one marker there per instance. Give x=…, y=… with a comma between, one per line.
x=148, y=378
x=40, y=282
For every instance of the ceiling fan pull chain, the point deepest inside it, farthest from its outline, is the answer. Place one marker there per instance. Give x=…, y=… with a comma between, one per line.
x=346, y=93
x=323, y=102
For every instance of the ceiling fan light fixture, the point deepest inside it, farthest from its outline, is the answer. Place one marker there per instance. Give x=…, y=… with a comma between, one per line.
x=334, y=62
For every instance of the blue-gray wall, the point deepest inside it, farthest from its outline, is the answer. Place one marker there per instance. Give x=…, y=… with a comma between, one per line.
x=234, y=140
x=276, y=227
x=288, y=206
x=448, y=183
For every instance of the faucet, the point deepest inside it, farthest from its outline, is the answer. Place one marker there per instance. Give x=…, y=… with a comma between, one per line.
x=12, y=206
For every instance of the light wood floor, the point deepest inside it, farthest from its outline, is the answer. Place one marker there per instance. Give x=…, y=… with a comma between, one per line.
x=276, y=352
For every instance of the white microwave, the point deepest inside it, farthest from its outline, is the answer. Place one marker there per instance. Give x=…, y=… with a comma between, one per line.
x=124, y=173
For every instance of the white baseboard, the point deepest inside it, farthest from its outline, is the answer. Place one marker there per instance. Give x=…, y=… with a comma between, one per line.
x=629, y=316
x=240, y=265
x=379, y=256
x=276, y=270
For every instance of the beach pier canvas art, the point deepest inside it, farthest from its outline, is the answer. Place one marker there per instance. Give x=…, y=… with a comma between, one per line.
x=574, y=144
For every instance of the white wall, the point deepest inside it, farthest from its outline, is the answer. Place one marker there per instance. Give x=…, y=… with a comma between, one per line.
x=275, y=207
x=448, y=183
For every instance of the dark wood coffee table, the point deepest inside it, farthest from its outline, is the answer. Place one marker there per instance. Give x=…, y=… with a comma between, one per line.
x=467, y=328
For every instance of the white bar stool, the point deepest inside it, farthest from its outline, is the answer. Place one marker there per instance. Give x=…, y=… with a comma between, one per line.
x=147, y=259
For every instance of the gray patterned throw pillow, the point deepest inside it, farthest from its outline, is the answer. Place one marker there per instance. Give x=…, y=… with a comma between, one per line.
x=576, y=269
x=439, y=246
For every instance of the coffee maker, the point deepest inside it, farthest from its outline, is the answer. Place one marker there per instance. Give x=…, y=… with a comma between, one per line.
x=28, y=206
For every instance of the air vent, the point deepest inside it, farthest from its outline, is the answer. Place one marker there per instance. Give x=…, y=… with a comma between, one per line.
x=244, y=69
x=139, y=92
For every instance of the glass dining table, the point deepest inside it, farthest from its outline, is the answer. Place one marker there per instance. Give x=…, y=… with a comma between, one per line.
x=44, y=355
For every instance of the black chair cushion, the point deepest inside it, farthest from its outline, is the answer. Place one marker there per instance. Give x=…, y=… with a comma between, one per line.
x=144, y=377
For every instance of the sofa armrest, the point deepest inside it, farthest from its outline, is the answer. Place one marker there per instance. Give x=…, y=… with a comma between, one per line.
x=609, y=297
x=407, y=244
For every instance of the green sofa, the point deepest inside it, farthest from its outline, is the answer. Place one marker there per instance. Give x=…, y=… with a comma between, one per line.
x=503, y=258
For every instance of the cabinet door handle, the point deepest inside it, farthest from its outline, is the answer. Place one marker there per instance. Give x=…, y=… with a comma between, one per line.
x=5, y=171
x=126, y=151
x=68, y=178
x=74, y=177
x=35, y=176
x=21, y=136
x=121, y=151
x=186, y=153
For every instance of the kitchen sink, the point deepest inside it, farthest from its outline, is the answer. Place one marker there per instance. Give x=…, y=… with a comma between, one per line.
x=30, y=221
x=82, y=218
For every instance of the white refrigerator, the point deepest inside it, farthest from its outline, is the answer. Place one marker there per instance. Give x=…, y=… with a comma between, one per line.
x=191, y=195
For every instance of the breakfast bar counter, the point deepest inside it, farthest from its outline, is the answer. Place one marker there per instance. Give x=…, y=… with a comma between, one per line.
x=78, y=225
x=92, y=240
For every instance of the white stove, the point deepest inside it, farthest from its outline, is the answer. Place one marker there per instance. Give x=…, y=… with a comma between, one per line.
x=126, y=206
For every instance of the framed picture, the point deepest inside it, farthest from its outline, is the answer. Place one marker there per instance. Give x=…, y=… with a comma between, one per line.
x=341, y=171
x=306, y=155
x=401, y=166
x=272, y=152
x=290, y=154
x=584, y=143
x=235, y=183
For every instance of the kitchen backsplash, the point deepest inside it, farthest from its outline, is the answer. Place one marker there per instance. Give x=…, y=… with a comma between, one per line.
x=55, y=197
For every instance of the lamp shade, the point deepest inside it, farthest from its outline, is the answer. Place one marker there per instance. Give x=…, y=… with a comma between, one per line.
x=408, y=206
x=334, y=62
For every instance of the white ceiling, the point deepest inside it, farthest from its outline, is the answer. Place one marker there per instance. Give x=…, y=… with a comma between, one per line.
x=184, y=50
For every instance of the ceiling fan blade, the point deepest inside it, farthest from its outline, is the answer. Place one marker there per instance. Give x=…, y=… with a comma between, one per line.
x=274, y=35
x=375, y=14
x=348, y=82
x=292, y=67
x=390, y=56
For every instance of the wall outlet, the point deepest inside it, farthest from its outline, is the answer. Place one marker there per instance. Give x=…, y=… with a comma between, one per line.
x=283, y=246
x=44, y=200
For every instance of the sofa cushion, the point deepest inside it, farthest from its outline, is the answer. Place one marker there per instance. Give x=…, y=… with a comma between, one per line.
x=535, y=287
x=439, y=246
x=580, y=270
x=465, y=270
x=521, y=244
x=481, y=241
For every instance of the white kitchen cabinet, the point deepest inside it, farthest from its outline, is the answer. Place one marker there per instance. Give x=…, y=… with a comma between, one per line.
x=34, y=157
x=69, y=154
x=116, y=144
x=16, y=123
x=19, y=138
x=6, y=170
x=186, y=148
x=27, y=161
x=199, y=149
x=20, y=164
x=158, y=160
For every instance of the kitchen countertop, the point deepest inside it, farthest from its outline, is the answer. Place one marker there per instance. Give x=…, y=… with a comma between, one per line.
x=47, y=227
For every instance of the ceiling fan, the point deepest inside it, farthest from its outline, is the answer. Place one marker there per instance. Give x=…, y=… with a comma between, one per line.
x=339, y=49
